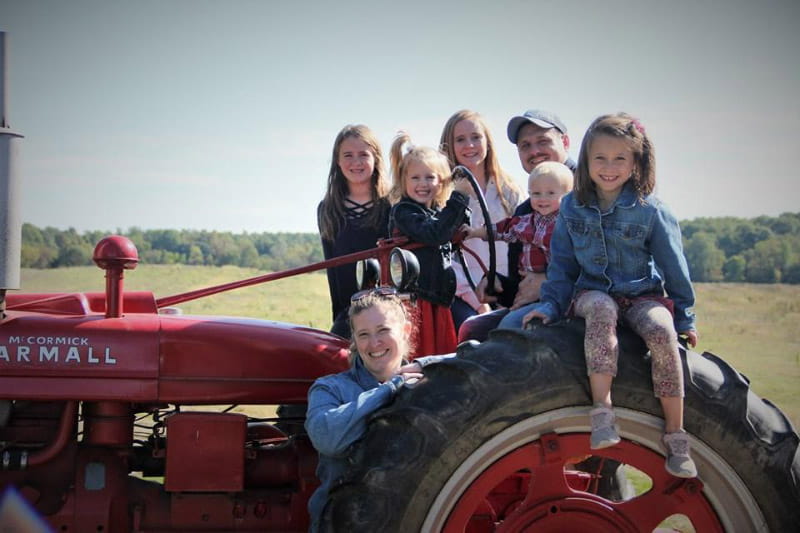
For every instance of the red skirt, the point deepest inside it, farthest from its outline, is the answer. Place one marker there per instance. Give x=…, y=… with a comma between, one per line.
x=434, y=330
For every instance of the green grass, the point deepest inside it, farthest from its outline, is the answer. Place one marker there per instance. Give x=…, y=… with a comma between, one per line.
x=753, y=327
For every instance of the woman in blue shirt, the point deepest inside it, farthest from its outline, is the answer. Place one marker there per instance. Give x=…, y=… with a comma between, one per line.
x=617, y=256
x=340, y=404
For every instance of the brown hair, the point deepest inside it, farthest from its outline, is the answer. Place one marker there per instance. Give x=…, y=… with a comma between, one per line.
x=331, y=212
x=392, y=305
x=624, y=126
x=491, y=164
x=403, y=152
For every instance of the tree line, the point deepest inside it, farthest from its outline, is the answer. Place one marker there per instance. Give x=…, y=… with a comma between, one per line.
x=758, y=250
x=54, y=248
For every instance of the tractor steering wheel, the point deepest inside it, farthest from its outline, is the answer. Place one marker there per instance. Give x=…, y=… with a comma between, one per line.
x=460, y=172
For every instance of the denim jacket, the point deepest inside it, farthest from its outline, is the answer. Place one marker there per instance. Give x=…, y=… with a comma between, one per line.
x=339, y=406
x=630, y=250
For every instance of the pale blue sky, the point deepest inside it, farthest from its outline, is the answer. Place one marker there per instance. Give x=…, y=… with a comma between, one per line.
x=222, y=114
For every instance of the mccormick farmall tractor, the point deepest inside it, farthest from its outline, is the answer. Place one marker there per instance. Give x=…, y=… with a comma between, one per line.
x=107, y=424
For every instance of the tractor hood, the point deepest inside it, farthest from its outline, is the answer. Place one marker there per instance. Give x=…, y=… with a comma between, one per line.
x=63, y=346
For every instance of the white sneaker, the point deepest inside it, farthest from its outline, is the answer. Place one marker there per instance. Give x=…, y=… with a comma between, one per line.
x=678, y=462
x=604, y=430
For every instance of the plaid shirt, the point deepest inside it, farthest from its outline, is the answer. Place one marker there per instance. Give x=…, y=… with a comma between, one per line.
x=534, y=232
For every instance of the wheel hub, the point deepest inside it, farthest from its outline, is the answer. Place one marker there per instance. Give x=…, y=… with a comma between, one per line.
x=569, y=514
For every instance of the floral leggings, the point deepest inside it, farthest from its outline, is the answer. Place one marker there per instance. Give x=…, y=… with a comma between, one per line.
x=650, y=319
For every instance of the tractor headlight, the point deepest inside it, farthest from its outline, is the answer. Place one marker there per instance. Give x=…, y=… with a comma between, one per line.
x=403, y=269
x=368, y=272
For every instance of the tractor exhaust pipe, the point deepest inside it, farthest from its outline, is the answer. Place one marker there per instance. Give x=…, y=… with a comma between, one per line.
x=10, y=222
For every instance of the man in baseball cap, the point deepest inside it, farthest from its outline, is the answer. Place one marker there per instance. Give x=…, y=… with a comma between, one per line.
x=539, y=136
x=543, y=119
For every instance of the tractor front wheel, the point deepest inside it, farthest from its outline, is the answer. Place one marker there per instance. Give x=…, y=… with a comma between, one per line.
x=496, y=440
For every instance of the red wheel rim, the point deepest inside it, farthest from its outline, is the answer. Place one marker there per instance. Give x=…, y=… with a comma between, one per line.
x=546, y=501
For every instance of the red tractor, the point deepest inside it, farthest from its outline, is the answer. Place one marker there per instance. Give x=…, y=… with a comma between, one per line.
x=95, y=391
x=108, y=423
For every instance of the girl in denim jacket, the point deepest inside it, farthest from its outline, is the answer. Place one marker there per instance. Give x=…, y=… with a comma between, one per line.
x=616, y=255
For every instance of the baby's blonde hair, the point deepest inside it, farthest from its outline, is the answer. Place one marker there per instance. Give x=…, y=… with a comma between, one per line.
x=558, y=171
x=403, y=152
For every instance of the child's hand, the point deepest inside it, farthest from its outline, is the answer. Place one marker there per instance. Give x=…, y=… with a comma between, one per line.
x=529, y=289
x=463, y=186
x=691, y=337
x=480, y=290
x=474, y=233
x=468, y=231
x=534, y=314
x=460, y=235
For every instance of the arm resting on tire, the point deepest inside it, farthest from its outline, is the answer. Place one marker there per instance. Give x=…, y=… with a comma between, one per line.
x=333, y=423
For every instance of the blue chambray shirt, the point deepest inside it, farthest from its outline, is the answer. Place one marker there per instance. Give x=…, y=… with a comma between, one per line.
x=339, y=406
x=632, y=249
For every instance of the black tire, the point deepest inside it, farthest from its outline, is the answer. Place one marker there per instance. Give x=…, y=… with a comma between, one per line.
x=525, y=384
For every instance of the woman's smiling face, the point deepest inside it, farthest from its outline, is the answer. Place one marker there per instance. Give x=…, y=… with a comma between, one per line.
x=379, y=337
x=469, y=144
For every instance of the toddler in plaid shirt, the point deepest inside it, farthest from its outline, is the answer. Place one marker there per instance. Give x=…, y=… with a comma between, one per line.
x=547, y=184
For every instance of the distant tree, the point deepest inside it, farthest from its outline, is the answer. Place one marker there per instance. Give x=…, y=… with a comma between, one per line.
x=223, y=248
x=74, y=255
x=139, y=240
x=166, y=239
x=37, y=255
x=248, y=255
x=734, y=268
x=152, y=257
x=792, y=274
x=32, y=235
x=93, y=237
x=743, y=236
x=785, y=224
x=767, y=260
x=704, y=258
x=70, y=237
x=195, y=255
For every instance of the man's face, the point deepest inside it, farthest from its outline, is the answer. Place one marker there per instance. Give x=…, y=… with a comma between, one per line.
x=535, y=145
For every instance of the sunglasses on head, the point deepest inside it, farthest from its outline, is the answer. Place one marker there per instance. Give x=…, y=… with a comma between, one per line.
x=377, y=291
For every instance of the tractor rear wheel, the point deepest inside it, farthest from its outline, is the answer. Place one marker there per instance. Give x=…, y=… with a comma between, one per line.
x=489, y=441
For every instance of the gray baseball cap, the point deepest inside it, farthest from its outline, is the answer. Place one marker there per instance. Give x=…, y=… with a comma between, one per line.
x=543, y=119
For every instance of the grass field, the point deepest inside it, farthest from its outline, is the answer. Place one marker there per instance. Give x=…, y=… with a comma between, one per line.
x=753, y=327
